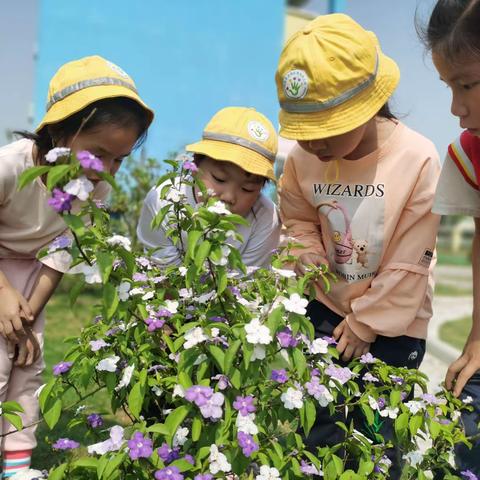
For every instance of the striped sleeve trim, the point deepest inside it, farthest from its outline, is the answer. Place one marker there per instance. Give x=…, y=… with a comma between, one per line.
x=463, y=162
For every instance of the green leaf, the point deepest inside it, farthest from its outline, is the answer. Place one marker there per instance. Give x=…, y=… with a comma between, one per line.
x=53, y=414
x=308, y=414
x=113, y=464
x=192, y=239
x=299, y=361
x=58, y=472
x=86, y=462
x=202, y=253
x=76, y=290
x=158, y=428
x=401, y=425
x=110, y=300
x=135, y=399
x=196, y=429
x=56, y=173
x=31, y=174
x=175, y=418
x=415, y=423
x=74, y=223
x=231, y=355
x=218, y=356
x=14, y=419
x=105, y=263
x=367, y=411
x=45, y=393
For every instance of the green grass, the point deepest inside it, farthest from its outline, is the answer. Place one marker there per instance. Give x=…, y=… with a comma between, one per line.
x=456, y=332
x=62, y=322
x=447, y=258
x=451, y=291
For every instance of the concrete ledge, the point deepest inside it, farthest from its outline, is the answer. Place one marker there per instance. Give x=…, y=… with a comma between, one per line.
x=441, y=350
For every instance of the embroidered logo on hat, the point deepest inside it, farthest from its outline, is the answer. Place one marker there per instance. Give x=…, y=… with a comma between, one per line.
x=117, y=69
x=295, y=84
x=257, y=131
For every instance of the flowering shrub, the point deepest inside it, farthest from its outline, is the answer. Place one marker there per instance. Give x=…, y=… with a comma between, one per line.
x=211, y=368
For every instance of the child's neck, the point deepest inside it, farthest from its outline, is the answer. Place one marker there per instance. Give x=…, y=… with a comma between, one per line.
x=377, y=132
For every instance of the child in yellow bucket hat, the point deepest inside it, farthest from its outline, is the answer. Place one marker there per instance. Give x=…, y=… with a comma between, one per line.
x=369, y=217
x=92, y=105
x=234, y=159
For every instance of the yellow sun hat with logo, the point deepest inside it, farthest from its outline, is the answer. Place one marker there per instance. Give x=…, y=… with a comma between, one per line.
x=79, y=83
x=241, y=136
x=332, y=77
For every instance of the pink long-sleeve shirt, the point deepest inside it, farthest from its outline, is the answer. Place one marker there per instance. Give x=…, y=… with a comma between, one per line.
x=375, y=228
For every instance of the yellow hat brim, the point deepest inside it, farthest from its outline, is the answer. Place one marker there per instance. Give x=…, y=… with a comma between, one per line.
x=347, y=116
x=248, y=160
x=82, y=98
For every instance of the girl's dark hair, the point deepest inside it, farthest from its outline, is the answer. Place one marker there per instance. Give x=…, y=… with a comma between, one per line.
x=385, y=112
x=118, y=111
x=453, y=30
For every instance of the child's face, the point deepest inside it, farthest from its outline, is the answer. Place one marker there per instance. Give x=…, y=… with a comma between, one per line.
x=110, y=143
x=341, y=146
x=463, y=78
x=232, y=185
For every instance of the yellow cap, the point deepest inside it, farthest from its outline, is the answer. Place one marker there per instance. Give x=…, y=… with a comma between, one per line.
x=332, y=77
x=241, y=136
x=81, y=82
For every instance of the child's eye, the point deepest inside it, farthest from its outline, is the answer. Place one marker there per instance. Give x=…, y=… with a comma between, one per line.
x=218, y=179
x=247, y=190
x=469, y=86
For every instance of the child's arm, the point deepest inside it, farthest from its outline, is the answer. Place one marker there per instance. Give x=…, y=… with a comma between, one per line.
x=13, y=307
x=468, y=363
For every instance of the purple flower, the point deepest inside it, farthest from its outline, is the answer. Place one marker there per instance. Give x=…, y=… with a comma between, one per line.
x=430, y=399
x=62, y=367
x=330, y=340
x=368, y=377
x=468, y=475
x=279, y=376
x=198, y=394
x=188, y=458
x=381, y=403
x=396, y=379
x=168, y=454
x=61, y=241
x=286, y=339
x=163, y=312
x=139, y=277
x=367, y=358
x=223, y=381
x=309, y=469
x=189, y=165
x=246, y=443
x=140, y=446
x=89, y=161
x=244, y=405
x=203, y=476
x=96, y=345
x=95, y=420
x=154, y=323
x=169, y=473
x=60, y=201
x=341, y=374
x=65, y=444
x=213, y=408
x=218, y=319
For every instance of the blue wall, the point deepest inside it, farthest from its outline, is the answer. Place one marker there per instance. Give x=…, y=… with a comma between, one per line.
x=189, y=58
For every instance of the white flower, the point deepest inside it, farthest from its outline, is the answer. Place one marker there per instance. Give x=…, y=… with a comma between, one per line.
x=224, y=258
x=157, y=390
x=180, y=437
x=205, y=297
x=123, y=290
x=373, y=403
x=182, y=271
x=91, y=272
x=178, y=391
x=148, y=295
x=258, y=353
x=28, y=474
x=108, y=364
x=214, y=332
x=414, y=458
x=296, y=304
x=319, y=345
x=258, y=333
x=171, y=306
x=126, y=377
x=292, y=398
x=120, y=240
x=246, y=424
x=38, y=391
x=174, y=195
x=80, y=187
x=185, y=292
x=218, y=461
x=284, y=273
x=193, y=337
x=219, y=208
x=467, y=400
x=389, y=412
x=415, y=406
x=55, y=153
x=200, y=359
x=114, y=443
x=267, y=473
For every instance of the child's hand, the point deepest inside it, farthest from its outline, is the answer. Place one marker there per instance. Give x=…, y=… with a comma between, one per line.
x=27, y=349
x=349, y=344
x=306, y=259
x=13, y=306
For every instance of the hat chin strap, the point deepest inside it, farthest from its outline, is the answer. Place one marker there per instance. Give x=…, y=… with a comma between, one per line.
x=91, y=82
x=236, y=140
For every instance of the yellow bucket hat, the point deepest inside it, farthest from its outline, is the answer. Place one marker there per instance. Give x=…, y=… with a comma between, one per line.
x=81, y=82
x=332, y=77
x=241, y=136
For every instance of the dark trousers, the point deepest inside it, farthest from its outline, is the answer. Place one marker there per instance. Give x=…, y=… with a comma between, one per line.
x=466, y=458
x=400, y=351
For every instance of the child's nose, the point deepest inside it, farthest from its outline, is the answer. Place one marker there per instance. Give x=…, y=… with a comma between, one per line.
x=458, y=107
x=228, y=197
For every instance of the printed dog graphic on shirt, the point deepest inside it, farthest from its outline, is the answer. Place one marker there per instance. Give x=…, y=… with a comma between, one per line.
x=359, y=255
